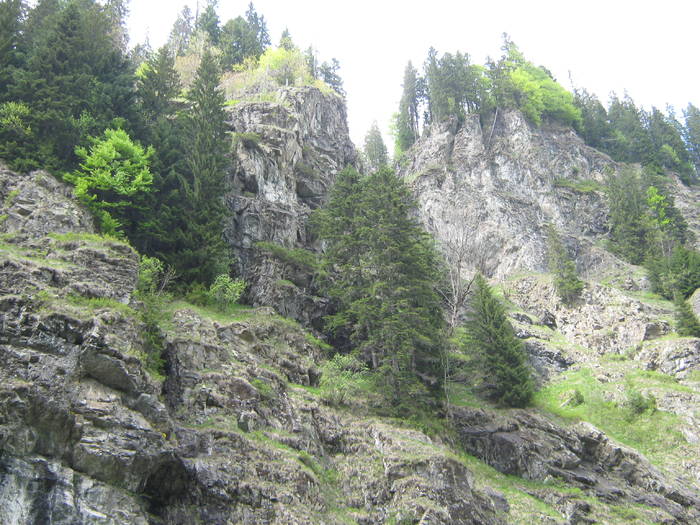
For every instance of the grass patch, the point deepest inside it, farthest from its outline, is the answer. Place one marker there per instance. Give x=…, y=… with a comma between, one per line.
x=91, y=238
x=578, y=185
x=652, y=433
x=10, y=198
x=237, y=312
x=95, y=304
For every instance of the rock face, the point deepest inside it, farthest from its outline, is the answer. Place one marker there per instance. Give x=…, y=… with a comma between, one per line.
x=230, y=435
x=286, y=155
x=525, y=444
x=494, y=190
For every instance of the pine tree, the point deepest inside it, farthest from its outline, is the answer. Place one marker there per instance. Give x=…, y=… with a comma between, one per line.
x=687, y=323
x=329, y=74
x=201, y=253
x=375, y=149
x=408, y=118
x=502, y=354
x=181, y=33
x=381, y=268
x=76, y=81
x=208, y=22
x=566, y=280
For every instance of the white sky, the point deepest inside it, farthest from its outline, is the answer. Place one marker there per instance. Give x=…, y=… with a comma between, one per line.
x=645, y=47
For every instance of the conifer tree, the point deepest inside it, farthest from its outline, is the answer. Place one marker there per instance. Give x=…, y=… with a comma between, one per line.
x=687, y=323
x=501, y=353
x=375, y=149
x=381, y=268
x=76, y=81
x=566, y=280
x=200, y=253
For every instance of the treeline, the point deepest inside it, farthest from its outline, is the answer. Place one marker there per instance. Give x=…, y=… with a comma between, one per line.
x=631, y=134
x=145, y=147
x=452, y=86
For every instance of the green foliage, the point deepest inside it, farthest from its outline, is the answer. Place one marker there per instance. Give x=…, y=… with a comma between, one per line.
x=199, y=252
x=69, y=69
x=299, y=258
x=276, y=67
x=225, y=291
x=566, y=280
x=489, y=334
x=150, y=273
x=637, y=403
x=249, y=140
x=678, y=274
x=380, y=268
x=687, y=323
x=578, y=185
x=375, y=150
x=408, y=118
x=343, y=379
x=115, y=169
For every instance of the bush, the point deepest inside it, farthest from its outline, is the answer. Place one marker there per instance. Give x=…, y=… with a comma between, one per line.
x=225, y=292
x=637, y=403
x=342, y=379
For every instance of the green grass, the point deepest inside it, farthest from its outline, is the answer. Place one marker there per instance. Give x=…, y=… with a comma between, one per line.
x=92, y=238
x=578, y=185
x=10, y=197
x=652, y=433
x=237, y=312
x=100, y=303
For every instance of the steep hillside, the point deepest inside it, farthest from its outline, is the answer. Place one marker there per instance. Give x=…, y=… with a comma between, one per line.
x=237, y=430
x=251, y=424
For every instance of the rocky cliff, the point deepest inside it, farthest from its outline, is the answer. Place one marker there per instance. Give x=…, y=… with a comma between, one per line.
x=286, y=155
x=494, y=190
x=241, y=426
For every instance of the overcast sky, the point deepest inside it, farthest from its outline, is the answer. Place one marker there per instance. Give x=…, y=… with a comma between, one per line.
x=648, y=48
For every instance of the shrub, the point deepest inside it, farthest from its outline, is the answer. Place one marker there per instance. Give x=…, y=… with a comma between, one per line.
x=637, y=403
x=225, y=292
x=342, y=379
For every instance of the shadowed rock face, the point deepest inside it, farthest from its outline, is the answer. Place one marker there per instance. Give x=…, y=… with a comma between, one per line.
x=286, y=155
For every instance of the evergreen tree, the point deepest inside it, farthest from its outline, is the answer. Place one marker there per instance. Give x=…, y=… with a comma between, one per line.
x=502, y=354
x=566, y=280
x=200, y=252
x=381, y=268
x=375, y=149
x=181, y=33
x=259, y=28
x=76, y=82
x=286, y=40
x=691, y=134
x=12, y=14
x=687, y=323
x=157, y=213
x=408, y=116
x=208, y=22
x=630, y=225
x=329, y=74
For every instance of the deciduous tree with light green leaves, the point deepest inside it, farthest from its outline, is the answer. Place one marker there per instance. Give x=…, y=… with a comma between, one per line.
x=112, y=171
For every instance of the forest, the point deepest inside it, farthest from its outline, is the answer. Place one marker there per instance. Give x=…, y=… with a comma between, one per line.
x=141, y=134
